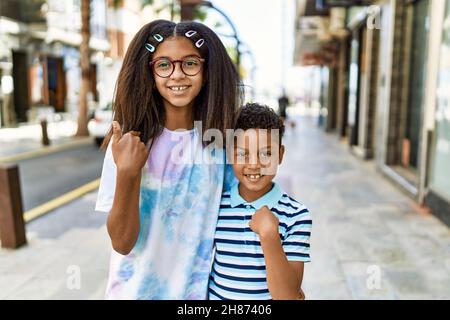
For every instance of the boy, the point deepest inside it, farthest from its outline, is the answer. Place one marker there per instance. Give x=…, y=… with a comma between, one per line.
x=262, y=234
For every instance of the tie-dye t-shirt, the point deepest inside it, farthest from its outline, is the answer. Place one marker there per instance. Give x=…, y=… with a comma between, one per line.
x=180, y=194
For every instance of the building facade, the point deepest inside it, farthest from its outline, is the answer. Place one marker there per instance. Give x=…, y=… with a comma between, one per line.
x=389, y=101
x=40, y=56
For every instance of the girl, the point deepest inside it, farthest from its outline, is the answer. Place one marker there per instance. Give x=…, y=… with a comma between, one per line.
x=163, y=212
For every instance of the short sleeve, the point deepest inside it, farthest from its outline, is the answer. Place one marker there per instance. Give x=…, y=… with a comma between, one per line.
x=107, y=186
x=296, y=239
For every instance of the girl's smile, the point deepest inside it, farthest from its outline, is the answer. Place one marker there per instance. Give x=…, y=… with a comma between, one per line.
x=179, y=88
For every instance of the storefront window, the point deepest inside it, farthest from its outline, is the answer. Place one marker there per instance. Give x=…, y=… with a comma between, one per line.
x=405, y=156
x=418, y=60
x=355, y=72
x=353, y=82
x=440, y=177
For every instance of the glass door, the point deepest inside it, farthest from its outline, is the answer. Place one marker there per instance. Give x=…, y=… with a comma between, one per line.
x=353, y=87
x=412, y=119
x=440, y=167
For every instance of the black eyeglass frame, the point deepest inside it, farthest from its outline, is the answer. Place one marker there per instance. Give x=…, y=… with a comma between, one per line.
x=152, y=65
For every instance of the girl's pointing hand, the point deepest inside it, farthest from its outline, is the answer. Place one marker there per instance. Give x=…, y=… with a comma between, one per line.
x=129, y=152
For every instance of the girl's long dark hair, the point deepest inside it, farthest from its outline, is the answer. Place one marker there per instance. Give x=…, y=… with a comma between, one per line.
x=137, y=104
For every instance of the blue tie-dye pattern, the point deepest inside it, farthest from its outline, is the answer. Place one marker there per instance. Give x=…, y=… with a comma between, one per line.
x=146, y=208
x=229, y=179
x=152, y=288
x=184, y=200
x=171, y=209
x=199, y=271
x=126, y=269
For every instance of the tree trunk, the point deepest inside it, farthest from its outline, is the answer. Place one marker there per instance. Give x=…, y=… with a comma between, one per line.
x=188, y=9
x=85, y=68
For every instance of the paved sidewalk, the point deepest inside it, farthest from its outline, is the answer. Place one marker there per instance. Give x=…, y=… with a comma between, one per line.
x=364, y=228
x=369, y=240
x=49, y=266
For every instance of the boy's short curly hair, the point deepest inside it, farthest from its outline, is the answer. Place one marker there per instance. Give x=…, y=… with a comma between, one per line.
x=259, y=116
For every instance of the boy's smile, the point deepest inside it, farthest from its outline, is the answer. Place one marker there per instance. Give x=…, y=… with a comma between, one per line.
x=253, y=177
x=256, y=160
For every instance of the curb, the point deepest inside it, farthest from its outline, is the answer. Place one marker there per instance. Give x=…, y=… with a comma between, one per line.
x=48, y=150
x=60, y=201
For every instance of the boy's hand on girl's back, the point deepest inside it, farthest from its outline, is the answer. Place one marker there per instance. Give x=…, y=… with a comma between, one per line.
x=264, y=223
x=129, y=152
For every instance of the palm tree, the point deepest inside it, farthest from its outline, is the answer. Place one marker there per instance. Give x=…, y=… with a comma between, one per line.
x=82, y=129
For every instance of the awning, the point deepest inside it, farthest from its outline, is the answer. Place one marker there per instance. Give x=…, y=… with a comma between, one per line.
x=326, y=4
x=316, y=33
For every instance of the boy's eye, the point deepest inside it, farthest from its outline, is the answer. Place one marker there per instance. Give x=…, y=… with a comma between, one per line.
x=265, y=154
x=241, y=154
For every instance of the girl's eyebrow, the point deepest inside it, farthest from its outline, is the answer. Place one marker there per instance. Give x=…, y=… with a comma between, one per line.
x=186, y=56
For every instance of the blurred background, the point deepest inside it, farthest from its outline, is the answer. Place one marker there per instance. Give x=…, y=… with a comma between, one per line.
x=364, y=89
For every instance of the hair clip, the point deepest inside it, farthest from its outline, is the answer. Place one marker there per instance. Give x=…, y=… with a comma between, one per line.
x=149, y=47
x=158, y=37
x=190, y=33
x=199, y=43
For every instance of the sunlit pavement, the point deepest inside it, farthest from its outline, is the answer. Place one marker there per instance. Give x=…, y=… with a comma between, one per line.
x=369, y=240
x=27, y=138
x=59, y=263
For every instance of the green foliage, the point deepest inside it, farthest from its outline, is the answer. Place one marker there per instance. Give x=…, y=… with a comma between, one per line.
x=145, y=3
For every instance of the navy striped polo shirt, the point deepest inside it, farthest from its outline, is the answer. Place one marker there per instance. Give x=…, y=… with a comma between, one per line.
x=238, y=270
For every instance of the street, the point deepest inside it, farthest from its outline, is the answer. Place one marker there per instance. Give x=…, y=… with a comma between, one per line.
x=369, y=240
x=48, y=176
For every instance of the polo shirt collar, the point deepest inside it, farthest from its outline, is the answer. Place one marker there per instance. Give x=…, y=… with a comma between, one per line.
x=270, y=199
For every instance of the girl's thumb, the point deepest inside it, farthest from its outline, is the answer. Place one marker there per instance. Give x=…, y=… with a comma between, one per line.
x=117, y=131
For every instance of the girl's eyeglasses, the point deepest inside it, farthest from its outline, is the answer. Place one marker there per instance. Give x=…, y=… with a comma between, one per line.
x=164, y=67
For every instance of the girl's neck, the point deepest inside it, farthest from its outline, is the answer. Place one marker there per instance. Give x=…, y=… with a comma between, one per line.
x=179, y=118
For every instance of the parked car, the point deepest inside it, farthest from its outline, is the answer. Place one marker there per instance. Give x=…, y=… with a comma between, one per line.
x=100, y=123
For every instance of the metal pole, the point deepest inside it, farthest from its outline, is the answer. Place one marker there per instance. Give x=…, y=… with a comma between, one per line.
x=252, y=70
x=45, y=139
x=252, y=58
x=12, y=226
x=235, y=34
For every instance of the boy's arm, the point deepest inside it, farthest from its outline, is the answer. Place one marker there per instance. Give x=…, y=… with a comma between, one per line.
x=283, y=277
